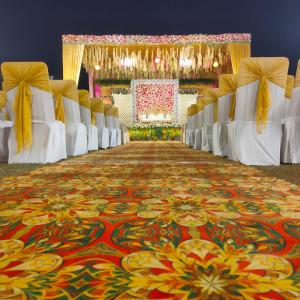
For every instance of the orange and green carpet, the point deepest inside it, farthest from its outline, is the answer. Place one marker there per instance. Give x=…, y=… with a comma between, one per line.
x=149, y=220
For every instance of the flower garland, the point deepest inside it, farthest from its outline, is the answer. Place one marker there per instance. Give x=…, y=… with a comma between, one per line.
x=153, y=125
x=156, y=39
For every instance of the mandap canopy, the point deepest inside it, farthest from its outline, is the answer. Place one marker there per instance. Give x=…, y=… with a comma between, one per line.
x=125, y=57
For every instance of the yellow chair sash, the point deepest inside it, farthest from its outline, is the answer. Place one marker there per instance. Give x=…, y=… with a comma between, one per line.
x=194, y=109
x=212, y=96
x=23, y=75
x=108, y=110
x=265, y=70
x=289, y=86
x=228, y=84
x=60, y=89
x=200, y=105
x=297, y=78
x=116, y=112
x=84, y=99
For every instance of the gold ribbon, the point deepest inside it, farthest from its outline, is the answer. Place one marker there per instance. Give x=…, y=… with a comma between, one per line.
x=289, y=86
x=23, y=75
x=265, y=70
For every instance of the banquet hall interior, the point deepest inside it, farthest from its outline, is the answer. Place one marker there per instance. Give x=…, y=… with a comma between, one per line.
x=150, y=150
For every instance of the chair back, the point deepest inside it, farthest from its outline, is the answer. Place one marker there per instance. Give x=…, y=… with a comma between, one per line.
x=261, y=89
x=85, y=107
x=109, y=115
x=211, y=100
x=227, y=97
x=201, y=105
x=27, y=89
x=295, y=104
x=194, y=116
x=116, y=117
x=97, y=107
x=65, y=96
x=288, y=96
x=2, y=105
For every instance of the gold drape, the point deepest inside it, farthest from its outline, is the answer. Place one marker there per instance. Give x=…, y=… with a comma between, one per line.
x=297, y=78
x=228, y=84
x=200, y=105
x=62, y=88
x=84, y=98
x=212, y=96
x=264, y=69
x=289, y=86
x=238, y=51
x=72, y=59
x=24, y=75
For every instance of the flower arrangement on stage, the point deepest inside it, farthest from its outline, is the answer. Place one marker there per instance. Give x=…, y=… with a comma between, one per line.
x=155, y=131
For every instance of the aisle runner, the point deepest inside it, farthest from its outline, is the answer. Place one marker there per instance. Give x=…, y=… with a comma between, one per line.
x=149, y=221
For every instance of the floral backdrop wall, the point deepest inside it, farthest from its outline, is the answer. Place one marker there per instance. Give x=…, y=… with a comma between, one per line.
x=154, y=96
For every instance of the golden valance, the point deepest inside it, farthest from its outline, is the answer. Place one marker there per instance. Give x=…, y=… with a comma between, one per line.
x=297, y=78
x=289, y=86
x=84, y=98
x=23, y=75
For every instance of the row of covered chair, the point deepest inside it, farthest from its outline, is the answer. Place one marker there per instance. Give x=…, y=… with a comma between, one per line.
x=50, y=119
x=252, y=117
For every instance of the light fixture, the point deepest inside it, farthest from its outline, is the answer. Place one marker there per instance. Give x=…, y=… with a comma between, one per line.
x=157, y=60
x=97, y=67
x=215, y=64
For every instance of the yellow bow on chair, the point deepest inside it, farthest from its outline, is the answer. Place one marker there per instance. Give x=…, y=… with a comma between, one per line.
x=23, y=75
x=228, y=84
x=97, y=106
x=60, y=89
x=264, y=69
x=212, y=95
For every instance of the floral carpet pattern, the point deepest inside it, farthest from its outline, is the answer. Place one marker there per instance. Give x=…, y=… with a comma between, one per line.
x=149, y=220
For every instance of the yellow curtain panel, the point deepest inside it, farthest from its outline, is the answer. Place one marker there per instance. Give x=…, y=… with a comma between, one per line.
x=238, y=51
x=72, y=59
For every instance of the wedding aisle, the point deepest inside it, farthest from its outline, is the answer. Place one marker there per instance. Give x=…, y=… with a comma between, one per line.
x=149, y=220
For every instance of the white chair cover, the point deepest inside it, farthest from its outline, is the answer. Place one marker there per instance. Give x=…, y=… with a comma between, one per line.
x=92, y=130
x=103, y=132
x=5, y=128
x=207, y=129
x=198, y=132
x=76, y=131
x=48, y=135
x=255, y=148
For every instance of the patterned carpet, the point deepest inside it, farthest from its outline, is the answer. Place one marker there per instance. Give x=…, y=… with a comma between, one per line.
x=149, y=220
